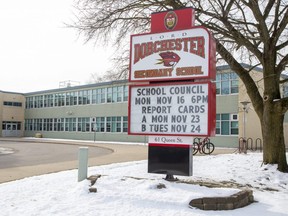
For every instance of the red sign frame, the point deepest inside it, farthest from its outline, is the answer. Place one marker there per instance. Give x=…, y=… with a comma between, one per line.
x=185, y=15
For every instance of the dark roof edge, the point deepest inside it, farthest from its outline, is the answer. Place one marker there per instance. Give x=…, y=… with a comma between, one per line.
x=8, y=92
x=247, y=66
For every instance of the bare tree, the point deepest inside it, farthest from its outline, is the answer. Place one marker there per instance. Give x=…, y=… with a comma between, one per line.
x=246, y=31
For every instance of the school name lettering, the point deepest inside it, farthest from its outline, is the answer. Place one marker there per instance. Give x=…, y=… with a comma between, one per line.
x=167, y=72
x=194, y=45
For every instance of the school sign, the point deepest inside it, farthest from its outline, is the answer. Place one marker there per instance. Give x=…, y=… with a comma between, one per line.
x=171, y=96
x=175, y=50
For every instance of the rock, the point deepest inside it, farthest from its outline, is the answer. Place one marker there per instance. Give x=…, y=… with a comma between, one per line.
x=93, y=179
x=92, y=190
x=160, y=186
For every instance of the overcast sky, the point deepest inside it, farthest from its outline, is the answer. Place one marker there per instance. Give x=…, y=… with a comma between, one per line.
x=37, y=51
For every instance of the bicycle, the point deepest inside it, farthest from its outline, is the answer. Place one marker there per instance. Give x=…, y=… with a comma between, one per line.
x=204, y=146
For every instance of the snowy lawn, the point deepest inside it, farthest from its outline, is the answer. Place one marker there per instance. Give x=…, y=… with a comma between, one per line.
x=127, y=189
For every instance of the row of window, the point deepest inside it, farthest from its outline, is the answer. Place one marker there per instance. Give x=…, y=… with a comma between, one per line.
x=83, y=97
x=227, y=124
x=11, y=103
x=83, y=124
x=226, y=83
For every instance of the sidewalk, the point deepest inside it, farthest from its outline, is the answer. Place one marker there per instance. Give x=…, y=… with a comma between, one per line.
x=121, y=152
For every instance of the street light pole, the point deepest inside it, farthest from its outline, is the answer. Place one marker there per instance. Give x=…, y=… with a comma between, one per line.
x=243, y=142
x=245, y=110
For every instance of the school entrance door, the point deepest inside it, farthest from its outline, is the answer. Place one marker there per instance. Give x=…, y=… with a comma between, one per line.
x=11, y=129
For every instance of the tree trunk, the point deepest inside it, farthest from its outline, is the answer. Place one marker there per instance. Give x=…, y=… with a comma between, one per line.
x=274, y=151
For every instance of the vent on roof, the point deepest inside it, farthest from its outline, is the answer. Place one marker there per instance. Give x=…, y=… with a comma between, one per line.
x=68, y=83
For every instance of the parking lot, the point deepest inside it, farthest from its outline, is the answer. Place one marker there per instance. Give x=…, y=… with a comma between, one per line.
x=22, y=158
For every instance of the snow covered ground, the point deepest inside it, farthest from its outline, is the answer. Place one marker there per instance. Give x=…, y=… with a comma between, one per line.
x=127, y=189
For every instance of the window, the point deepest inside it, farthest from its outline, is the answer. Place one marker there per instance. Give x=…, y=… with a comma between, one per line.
x=80, y=97
x=125, y=124
x=83, y=124
x=114, y=94
x=48, y=100
x=38, y=101
x=16, y=104
x=70, y=124
x=47, y=124
x=103, y=98
x=84, y=97
x=116, y=126
x=119, y=93
x=125, y=98
x=38, y=124
x=71, y=98
x=68, y=99
x=75, y=98
x=59, y=99
x=226, y=83
x=227, y=124
x=113, y=124
x=29, y=102
x=28, y=124
x=108, y=124
x=233, y=83
x=100, y=124
x=96, y=96
x=58, y=124
x=56, y=99
x=109, y=95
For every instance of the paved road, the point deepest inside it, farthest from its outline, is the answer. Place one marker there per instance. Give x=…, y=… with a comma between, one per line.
x=39, y=156
x=31, y=153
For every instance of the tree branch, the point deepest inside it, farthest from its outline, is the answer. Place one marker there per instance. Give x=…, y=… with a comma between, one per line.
x=282, y=26
x=283, y=81
x=249, y=83
x=282, y=64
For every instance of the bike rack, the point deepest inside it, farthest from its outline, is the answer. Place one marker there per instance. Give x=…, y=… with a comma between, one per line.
x=242, y=145
x=249, y=141
x=259, y=141
x=248, y=144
